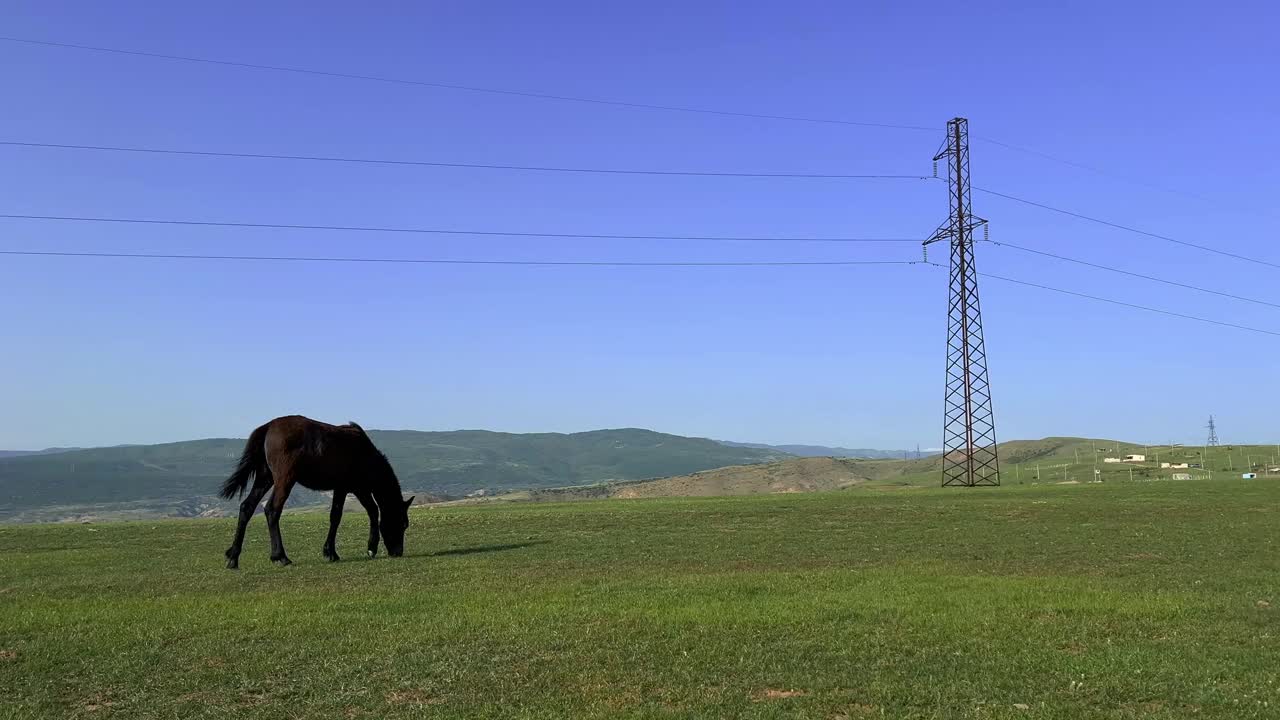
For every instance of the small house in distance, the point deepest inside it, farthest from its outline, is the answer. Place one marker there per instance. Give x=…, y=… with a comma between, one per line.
x=1174, y=466
x=1249, y=476
x=1182, y=476
x=1111, y=460
x=1135, y=458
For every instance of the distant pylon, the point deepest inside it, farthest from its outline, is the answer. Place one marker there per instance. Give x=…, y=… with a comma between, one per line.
x=969, y=432
x=1213, y=434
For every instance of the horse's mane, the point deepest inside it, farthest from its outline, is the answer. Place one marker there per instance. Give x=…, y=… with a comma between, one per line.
x=379, y=458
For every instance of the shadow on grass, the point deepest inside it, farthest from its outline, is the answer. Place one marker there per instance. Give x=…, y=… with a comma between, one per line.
x=486, y=548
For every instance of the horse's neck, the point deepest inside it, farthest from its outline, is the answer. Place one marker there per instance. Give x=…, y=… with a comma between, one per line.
x=387, y=492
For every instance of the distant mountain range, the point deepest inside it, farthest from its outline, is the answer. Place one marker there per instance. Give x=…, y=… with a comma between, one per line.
x=22, y=453
x=182, y=478
x=824, y=451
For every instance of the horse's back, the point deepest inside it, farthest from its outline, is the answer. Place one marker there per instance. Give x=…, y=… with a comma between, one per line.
x=300, y=423
x=317, y=455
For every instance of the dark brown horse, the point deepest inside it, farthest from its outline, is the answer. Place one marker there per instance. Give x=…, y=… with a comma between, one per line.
x=318, y=456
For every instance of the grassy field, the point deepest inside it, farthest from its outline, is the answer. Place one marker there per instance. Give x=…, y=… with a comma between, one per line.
x=1113, y=600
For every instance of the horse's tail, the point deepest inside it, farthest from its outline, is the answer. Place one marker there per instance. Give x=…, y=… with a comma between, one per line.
x=253, y=464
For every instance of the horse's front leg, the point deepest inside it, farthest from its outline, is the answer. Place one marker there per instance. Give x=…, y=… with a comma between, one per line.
x=366, y=499
x=335, y=517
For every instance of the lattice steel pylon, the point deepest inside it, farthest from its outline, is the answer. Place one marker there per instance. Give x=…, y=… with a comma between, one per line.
x=969, y=432
x=1213, y=434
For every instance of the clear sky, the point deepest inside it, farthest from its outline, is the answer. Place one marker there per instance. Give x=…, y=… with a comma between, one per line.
x=96, y=351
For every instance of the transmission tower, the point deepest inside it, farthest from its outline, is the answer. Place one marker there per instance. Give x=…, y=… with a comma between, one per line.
x=1213, y=434
x=969, y=431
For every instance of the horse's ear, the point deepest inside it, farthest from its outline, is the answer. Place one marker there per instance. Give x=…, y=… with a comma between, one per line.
x=408, y=502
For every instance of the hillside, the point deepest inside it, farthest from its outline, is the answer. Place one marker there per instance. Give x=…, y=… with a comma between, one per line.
x=21, y=453
x=1049, y=460
x=827, y=451
x=809, y=474
x=181, y=478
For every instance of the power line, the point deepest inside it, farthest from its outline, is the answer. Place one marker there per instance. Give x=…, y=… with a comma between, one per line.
x=592, y=263
x=467, y=88
x=482, y=166
x=1090, y=168
x=1123, y=304
x=435, y=261
x=437, y=231
x=571, y=98
x=1119, y=176
x=1128, y=228
x=1134, y=274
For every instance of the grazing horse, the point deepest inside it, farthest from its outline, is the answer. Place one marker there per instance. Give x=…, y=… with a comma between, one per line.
x=318, y=456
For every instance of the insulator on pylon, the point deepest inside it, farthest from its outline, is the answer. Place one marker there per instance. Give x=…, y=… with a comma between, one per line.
x=935, y=168
x=986, y=231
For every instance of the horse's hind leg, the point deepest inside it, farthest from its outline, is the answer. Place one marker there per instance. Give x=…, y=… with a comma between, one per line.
x=366, y=499
x=275, y=505
x=247, y=506
x=335, y=517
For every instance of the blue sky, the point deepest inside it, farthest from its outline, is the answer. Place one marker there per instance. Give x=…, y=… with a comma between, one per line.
x=101, y=351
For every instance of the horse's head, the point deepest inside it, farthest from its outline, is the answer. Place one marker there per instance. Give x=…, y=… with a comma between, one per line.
x=394, y=521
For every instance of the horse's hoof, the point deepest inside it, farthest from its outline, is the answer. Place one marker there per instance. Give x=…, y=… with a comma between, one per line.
x=332, y=557
x=233, y=564
x=282, y=562
x=373, y=554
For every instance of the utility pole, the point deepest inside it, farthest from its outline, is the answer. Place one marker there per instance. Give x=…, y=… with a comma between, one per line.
x=969, y=454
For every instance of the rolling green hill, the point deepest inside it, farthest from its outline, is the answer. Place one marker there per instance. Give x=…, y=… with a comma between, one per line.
x=182, y=478
x=828, y=451
x=1049, y=460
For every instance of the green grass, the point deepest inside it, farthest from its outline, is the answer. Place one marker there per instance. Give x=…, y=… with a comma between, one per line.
x=1143, y=600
